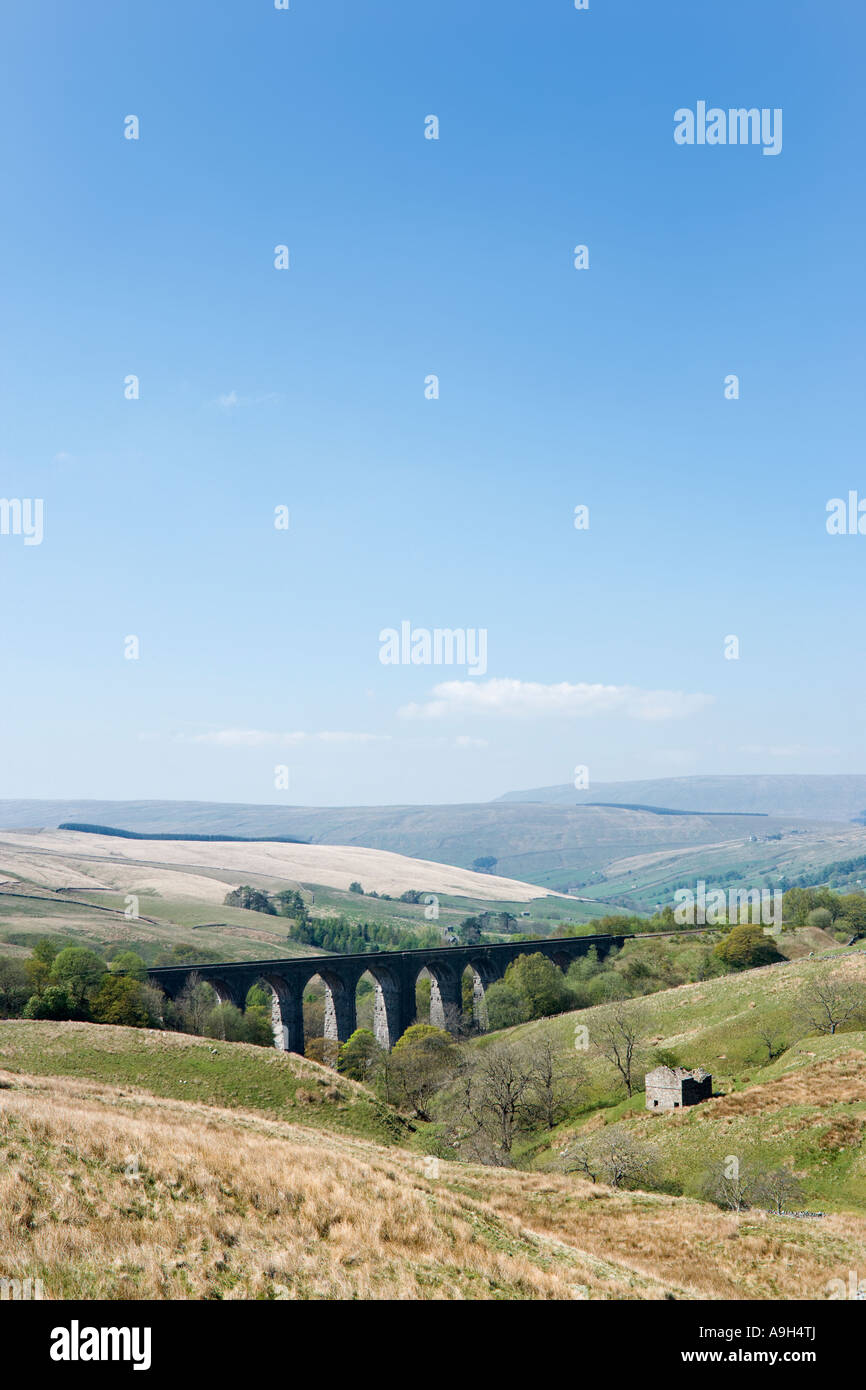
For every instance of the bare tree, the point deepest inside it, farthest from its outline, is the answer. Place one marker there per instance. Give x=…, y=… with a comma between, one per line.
x=774, y=1038
x=733, y=1184
x=490, y=1101
x=580, y=1157
x=154, y=1001
x=556, y=1082
x=194, y=1003
x=828, y=1003
x=778, y=1188
x=614, y=1156
x=617, y=1037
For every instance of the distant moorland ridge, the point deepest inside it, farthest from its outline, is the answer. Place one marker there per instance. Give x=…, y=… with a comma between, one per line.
x=836, y=797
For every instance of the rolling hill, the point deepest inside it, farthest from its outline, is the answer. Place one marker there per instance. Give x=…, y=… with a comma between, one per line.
x=806, y=1107
x=557, y=847
x=152, y=895
x=839, y=797
x=243, y=1190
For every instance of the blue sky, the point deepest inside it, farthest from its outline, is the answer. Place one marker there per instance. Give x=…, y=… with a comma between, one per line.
x=409, y=257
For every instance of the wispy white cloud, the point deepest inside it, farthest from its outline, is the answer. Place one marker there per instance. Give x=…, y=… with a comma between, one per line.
x=532, y=700
x=261, y=738
x=230, y=400
x=788, y=750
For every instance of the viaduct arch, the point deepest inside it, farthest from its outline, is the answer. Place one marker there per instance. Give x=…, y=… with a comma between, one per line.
x=394, y=973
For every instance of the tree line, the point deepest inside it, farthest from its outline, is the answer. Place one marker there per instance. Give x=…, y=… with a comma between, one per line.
x=73, y=983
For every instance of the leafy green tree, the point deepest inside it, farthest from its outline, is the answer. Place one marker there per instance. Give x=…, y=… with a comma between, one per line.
x=289, y=903
x=251, y=898
x=485, y=864
x=820, y=917
x=226, y=1022
x=540, y=984
x=608, y=985
x=258, y=1026
x=128, y=963
x=359, y=1055
x=505, y=1007
x=852, y=911
x=469, y=931
x=185, y=954
x=423, y=990
x=52, y=1003
x=39, y=964
x=80, y=973
x=746, y=946
x=120, y=999
x=355, y=887
x=15, y=986
x=340, y=935
x=422, y=1061
x=325, y=1051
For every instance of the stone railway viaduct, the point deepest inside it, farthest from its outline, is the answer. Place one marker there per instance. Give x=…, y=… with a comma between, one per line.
x=395, y=974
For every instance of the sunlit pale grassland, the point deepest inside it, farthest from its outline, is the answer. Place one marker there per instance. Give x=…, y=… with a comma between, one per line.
x=109, y=1192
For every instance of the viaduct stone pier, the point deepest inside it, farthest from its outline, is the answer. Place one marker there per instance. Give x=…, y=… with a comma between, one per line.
x=394, y=973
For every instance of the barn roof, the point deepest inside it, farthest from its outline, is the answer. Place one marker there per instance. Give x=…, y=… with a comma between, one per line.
x=674, y=1074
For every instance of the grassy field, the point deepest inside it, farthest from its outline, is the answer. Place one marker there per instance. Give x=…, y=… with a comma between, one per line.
x=235, y=1075
x=109, y=1192
x=806, y=1108
x=220, y=1170
x=641, y=881
x=226, y=933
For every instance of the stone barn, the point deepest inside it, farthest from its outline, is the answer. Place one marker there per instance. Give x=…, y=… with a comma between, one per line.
x=673, y=1088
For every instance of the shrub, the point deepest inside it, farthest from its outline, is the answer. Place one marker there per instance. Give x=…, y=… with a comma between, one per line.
x=820, y=917
x=747, y=946
x=52, y=1003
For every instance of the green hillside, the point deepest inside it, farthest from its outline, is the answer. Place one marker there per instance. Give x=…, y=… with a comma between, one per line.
x=237, y=1076
x=805, y=1108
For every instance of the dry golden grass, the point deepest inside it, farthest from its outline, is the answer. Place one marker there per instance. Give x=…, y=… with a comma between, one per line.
x=112, y=1193
x=839, y=1080
x=49, y=857
x=691, y=1247
x=104, y=1193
